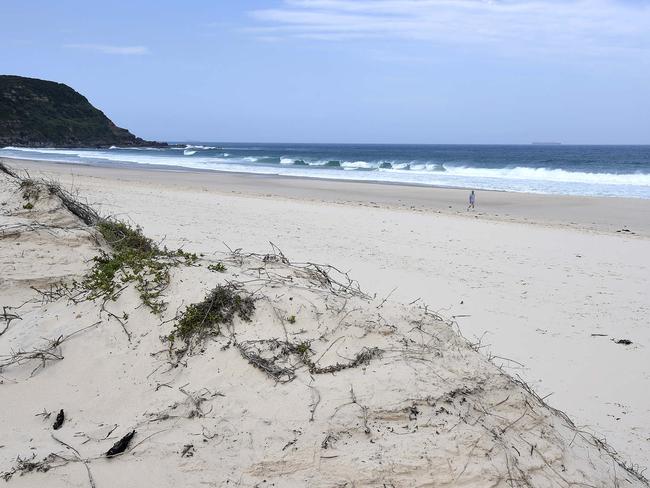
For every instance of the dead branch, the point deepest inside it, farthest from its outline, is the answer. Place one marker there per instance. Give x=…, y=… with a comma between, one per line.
x=253, y=356
x=50, y=352
x=8, y=317
x=29, y=465
x=7, y=170
x=362, y=357
x=85, y=462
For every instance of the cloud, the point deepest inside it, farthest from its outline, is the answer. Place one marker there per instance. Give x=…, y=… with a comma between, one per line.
x=594, y=26
x=108, y=49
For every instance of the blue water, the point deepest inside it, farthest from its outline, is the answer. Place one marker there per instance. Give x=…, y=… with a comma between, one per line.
x=555, y=169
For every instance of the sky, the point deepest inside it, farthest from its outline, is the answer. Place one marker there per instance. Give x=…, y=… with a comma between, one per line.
x=347, y=71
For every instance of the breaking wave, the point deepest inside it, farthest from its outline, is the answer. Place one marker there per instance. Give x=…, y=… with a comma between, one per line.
x=554, y=175
x=610, y=180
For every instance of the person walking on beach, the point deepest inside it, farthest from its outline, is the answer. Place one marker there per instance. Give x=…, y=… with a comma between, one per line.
x=472, y=200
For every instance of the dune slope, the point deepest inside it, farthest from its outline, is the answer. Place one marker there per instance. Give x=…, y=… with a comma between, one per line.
x=324, y=385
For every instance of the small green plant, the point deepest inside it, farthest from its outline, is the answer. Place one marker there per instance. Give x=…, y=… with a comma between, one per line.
x=291, y=319
x=31, y=190
x=134, y=258
x=205, y=318
x=303, y=349
x=218, y=267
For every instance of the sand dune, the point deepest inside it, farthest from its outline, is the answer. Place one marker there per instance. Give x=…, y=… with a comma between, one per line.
x=325, y=386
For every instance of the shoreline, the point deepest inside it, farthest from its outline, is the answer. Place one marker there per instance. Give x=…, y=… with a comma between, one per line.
x=617, y=172
x=179, y=168
x=599, y=214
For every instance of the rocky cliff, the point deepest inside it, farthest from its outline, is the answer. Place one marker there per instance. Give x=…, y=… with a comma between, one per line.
x=40, y=113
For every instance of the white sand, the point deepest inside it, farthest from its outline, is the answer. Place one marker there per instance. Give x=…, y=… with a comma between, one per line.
x=538, y=290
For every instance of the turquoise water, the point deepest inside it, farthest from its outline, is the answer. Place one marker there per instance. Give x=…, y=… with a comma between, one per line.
x=555, y=169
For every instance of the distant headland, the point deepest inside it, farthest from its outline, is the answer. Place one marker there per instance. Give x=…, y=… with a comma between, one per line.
x=40, y=113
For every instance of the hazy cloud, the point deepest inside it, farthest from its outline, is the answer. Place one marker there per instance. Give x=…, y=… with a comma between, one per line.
x=565, y=25
x=108, y=49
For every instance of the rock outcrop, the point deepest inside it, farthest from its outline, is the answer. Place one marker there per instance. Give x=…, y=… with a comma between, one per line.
x=40, y=113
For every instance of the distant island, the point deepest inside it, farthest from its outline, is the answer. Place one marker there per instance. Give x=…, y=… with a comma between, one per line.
x=40, y=113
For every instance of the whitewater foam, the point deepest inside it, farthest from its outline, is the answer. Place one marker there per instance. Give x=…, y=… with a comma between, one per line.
x=352, y=165
x=432, y=173
x=554, y=175
x=199, y=146
x=402, y=166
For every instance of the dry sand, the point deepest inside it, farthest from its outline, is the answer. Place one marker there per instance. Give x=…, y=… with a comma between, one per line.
x=535, y=291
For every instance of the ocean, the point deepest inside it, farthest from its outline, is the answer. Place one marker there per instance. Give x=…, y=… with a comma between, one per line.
x=614, y=171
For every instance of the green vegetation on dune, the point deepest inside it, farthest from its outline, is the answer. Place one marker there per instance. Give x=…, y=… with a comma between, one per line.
x=134, y=258
x=130, y=257
x=205, y=318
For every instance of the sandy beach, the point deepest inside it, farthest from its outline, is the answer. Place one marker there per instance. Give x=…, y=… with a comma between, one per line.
x=544, y=285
